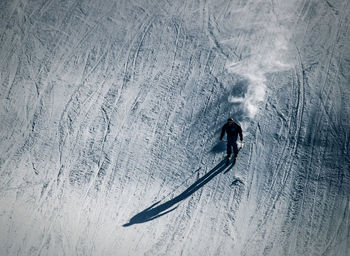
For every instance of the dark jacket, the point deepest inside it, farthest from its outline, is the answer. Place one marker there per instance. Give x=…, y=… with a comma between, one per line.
x=232, y=132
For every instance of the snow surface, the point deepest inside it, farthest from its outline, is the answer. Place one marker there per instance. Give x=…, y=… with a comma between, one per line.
x=110, y=119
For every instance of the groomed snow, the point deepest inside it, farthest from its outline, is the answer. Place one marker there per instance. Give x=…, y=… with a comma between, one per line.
x=110, y=115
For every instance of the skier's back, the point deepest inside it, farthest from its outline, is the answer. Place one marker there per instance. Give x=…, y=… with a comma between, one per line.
x=232, y=130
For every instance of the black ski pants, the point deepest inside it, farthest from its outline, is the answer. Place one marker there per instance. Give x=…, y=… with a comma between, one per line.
x=231, y=144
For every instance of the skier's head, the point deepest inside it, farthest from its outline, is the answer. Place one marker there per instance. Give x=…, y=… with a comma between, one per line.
x=230, y=121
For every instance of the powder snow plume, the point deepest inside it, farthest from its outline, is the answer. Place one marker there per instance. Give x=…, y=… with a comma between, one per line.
x=266, y=44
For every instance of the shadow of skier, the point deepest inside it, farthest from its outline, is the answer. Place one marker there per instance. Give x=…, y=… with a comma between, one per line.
x=155, y=211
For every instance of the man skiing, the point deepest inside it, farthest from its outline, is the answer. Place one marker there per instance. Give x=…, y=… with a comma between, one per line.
x=232, y=130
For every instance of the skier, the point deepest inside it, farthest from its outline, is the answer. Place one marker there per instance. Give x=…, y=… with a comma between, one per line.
x=233, y=130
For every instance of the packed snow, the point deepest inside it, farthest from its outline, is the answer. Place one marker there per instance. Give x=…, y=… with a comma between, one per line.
x=111, y=113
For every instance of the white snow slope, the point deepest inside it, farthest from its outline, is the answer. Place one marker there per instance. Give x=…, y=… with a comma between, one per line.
x=111, y=107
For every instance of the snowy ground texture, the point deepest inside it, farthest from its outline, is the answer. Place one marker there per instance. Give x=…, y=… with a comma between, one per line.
x=110, y=117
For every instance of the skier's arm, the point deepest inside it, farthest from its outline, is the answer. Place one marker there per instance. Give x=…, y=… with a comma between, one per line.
x=222, y=132
x=240, y=133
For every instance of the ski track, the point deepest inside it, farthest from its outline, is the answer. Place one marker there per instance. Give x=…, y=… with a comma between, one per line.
x=108, y=108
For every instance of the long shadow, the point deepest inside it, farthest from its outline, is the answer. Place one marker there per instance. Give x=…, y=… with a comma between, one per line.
x=154, y=211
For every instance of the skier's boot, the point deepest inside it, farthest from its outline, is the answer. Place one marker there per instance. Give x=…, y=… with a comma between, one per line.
x=228, y=159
